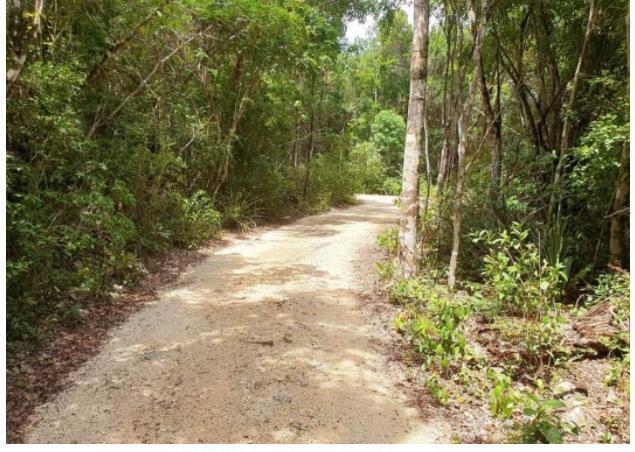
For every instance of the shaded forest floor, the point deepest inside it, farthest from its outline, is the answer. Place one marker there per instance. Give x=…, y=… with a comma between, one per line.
x=37, y=372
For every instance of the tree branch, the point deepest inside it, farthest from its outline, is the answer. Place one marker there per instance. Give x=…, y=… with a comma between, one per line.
x=142, y=85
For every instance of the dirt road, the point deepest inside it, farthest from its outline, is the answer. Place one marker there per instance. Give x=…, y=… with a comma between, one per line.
x=267, y=340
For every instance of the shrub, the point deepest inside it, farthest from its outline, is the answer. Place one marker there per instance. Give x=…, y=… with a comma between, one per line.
x=199, y=220
x=614, y=288
x=389, y=240
x=521, y=282
x=331, y=182
x=368, y=170
x=433, y=323
x=238, y=212
x=410, y=291
x=502, y=397
x=438, y=392
x=391, y=186
x=537, y=342
x=541, y=423
x=437, y=335
x=386, y=270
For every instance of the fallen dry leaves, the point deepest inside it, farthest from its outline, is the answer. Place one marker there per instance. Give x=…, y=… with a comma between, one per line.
x=39, y=371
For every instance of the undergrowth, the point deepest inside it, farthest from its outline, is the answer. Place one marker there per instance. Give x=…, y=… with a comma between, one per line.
x=503, y=341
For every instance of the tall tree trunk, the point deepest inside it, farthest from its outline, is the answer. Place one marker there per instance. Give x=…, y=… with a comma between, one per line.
x=426, y=153
x=307, y=171
x=456, y=94
x=295, y=143
x=458, y=202
x=462, y=125
x=618, y=238
x=444, y=158
x=414, y=132
x=497, y=153
x=556, y=197
x=311, y=148
x=494, y=120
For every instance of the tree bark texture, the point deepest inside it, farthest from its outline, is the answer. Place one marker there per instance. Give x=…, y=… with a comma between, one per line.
x=414, y=134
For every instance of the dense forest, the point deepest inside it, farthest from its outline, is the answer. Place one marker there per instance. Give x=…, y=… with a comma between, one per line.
x=134, y=128
x=511, y=257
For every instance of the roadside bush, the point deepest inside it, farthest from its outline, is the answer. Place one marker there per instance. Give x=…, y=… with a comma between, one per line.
x=199, y=220
x=377, y=163
x=537, y=421
x=432, y=322
x=333, y=180
x=389, y=240
x=438, y=392
x=502, y=397
x=238, y=211
x=413, y=291
x=329, y=181
x=536, y=342
x=437, y=335
x=619, y=374
x=369, y=172
x=520, y=282
x=391, y=186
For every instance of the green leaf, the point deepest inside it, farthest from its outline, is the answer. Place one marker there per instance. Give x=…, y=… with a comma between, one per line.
x=529, y=411
x=550, y=432
x=553, y=404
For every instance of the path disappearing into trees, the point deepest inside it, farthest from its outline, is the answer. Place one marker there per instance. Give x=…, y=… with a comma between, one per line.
x=267, y=340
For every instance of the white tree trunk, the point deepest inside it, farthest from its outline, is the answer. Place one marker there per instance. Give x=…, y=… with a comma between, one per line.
x=414, y=134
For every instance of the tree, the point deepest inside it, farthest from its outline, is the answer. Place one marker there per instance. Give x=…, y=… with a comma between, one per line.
x=556, y=195
x=463, y=124
x=108, y=163
x=495, y=120
x=618, y=237
x=388, y=131
x=409, y=207
x=453, y=35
